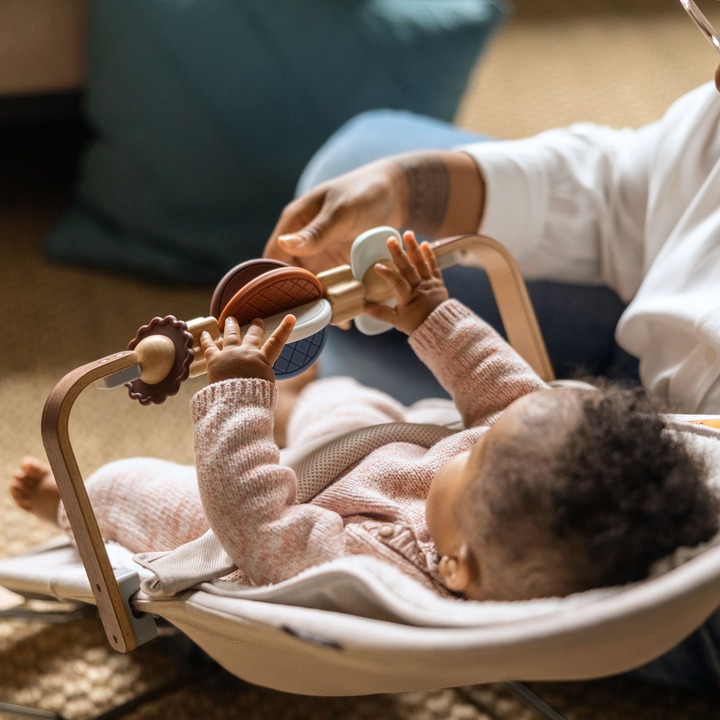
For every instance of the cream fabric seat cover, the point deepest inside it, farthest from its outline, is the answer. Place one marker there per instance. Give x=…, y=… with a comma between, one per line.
x=358, y=626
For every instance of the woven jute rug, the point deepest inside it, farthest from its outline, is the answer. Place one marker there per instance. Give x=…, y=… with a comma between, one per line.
x=619, y=63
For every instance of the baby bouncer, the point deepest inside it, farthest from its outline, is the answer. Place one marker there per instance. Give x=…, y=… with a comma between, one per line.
x=352, y=626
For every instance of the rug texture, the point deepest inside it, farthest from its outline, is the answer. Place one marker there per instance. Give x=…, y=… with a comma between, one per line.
x=559, y=61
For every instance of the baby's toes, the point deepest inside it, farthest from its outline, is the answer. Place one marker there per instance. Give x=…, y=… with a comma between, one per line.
x=19, y=491
x=34, y=469
x=23, y=485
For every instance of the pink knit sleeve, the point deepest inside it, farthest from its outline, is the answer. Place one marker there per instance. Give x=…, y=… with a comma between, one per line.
x=482, y=373
x=250, y=500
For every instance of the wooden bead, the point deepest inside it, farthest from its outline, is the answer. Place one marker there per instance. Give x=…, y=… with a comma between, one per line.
x=156, y=354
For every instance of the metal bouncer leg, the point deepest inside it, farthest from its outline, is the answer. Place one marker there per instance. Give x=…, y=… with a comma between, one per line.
x=21, y=711
x=525, y=694
x=65, y=612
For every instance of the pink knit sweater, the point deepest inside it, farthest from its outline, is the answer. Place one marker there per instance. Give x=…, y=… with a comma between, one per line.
x=375, y=507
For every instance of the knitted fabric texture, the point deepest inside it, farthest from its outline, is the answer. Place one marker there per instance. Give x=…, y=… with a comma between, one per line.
x=367, y=497
x=330, y=459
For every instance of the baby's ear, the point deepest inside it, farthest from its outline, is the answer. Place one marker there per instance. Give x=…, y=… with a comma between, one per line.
x=457, y=570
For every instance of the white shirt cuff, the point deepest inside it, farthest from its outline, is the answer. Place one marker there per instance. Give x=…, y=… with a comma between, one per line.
x=516, y=192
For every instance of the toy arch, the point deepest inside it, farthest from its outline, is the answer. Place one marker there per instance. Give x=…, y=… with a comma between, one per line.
x=124, y=630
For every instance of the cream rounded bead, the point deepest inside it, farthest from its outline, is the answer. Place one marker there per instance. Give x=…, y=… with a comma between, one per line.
x=156, y=355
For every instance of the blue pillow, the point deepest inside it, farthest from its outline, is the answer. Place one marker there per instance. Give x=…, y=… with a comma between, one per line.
x=206, y=112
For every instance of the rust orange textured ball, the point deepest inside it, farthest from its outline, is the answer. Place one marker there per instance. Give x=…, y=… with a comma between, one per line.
x=271, y=293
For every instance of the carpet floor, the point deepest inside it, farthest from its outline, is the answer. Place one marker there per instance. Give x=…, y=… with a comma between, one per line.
x=618, y=63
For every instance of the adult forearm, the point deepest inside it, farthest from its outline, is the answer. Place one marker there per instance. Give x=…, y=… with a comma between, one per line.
x=433, y=192
x=442, y=193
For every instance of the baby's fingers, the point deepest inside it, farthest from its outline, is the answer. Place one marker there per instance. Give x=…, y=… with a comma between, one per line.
x=417, y=258
x=255, y=333
x=276, y=342
x=399, y=284
x=402, y=262
x=431, y=260
x=231, y=332
x=209, y=348
x=381, y=312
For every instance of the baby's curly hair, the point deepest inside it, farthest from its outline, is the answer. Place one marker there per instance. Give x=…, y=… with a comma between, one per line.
x=618, y=490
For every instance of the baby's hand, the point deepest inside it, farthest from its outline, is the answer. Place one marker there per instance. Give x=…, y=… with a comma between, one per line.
x=248, y=357
x=417, y=283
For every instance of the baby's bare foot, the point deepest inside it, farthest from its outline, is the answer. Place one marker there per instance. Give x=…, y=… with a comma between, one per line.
x=34, y=489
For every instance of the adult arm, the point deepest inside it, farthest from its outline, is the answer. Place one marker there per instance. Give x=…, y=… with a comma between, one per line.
x=569, y=204
x=435, y=193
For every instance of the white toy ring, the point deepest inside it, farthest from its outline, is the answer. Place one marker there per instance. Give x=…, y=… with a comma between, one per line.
x=368, y=249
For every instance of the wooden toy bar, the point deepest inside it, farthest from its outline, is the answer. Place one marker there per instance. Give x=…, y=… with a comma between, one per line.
x=167, y=351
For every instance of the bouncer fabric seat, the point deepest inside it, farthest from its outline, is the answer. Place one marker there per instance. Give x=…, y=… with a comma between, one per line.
x=357, y=626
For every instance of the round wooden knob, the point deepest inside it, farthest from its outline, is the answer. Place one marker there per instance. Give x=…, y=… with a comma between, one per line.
x=156, y=354
x=158, y=382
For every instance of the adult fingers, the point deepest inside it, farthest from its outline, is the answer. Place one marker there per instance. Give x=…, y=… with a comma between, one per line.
x=293, y=219
x=231, y=332
x=416, y=256
x=323, y=230
x=431, y=260
x=276, y=342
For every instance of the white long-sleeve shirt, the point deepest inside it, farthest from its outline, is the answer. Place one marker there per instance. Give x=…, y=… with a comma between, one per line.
x=637, y=210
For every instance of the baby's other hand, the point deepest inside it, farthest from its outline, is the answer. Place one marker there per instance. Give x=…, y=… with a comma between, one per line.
x=417, y=283
x=247, y=357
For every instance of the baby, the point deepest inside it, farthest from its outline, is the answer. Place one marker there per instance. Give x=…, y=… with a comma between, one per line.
x=544, y=493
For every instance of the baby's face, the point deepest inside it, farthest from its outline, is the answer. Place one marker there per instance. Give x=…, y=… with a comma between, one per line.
x=447, y=490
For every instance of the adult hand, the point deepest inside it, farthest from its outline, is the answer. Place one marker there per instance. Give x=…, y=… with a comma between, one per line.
x=316, y=230
x=435, y=193
x=247, y=357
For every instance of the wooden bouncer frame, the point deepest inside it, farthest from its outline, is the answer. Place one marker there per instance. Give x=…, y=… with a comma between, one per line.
x=112, y=589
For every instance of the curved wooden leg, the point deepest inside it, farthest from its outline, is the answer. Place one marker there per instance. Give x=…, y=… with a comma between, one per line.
x=511, y=295
x=111, y=589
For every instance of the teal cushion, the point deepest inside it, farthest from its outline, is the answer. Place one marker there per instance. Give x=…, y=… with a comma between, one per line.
x=206, y=112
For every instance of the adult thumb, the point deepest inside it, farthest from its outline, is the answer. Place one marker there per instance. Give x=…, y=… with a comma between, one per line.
x=313, y=238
